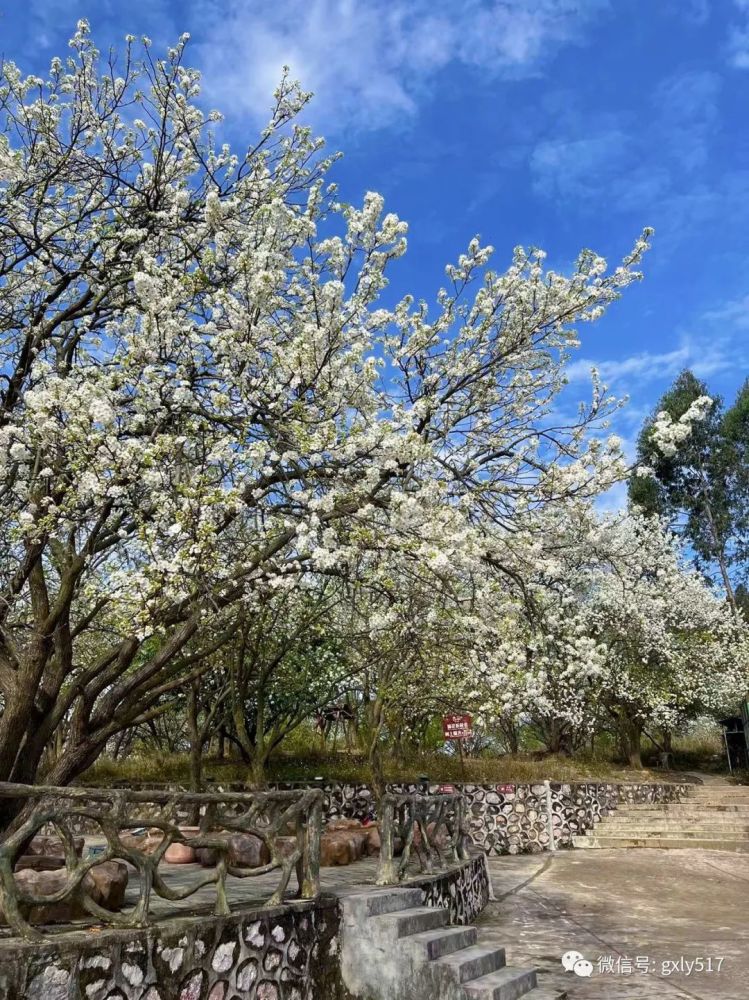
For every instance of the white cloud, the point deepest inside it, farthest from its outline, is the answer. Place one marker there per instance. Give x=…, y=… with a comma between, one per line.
x=575, y=167
x=705, y=355
x=642, y=365
x=696, y=12
x=734, y=313
x=370, y=63
x=686, y=117
x=615, y=151
x=738, y=37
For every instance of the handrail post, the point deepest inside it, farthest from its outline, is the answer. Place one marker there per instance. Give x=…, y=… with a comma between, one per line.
x=462, y=854
x=310, y=884
x=549, y=817
x=387, y=871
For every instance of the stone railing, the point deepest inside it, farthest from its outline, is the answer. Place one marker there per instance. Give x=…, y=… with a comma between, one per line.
x=433, y=825
x=287, y=822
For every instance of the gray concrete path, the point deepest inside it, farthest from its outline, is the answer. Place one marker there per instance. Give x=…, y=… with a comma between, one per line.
x=658, y=907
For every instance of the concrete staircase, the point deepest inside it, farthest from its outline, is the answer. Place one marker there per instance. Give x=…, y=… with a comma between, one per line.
x=714, y=817
x=394, y=948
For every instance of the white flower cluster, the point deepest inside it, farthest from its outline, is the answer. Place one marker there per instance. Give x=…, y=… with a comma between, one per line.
x=619, y=623
x=668, y=434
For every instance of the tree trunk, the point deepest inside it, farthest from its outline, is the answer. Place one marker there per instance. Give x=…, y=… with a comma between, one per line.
x=119, y=744
x=719, y=546
x=632, y=738
x=196, y=749
x=399, y=752
x=258, y=774
x=374, y=718
x=554, y=735
x=376, y=770
x=72, y=762
x=635, y=754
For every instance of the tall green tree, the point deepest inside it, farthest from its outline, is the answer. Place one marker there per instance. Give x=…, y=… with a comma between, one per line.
x=702, y=485
x=735, y=432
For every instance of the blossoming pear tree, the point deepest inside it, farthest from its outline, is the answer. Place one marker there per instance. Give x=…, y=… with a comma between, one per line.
x=617, y=628
x=417, y=623
x=538, y=660
x=203, y=392
x=675, y=650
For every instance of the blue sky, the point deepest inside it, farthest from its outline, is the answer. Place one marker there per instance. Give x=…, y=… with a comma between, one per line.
x=556, y=123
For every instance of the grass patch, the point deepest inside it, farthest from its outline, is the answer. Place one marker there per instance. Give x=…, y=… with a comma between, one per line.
x=349, y=767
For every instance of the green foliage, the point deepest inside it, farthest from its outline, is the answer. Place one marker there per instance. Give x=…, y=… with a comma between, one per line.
x=695, y=476
x=735, y=430
x=702, y=489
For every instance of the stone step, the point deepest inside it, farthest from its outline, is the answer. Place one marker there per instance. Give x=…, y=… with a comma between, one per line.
x=703, y=819
x=412, y=921
x=718, y=793
x=728, y=799
x=661, y=830
x=472, y=963
x=713, y=815
x=505, y=984
x=443, y=941
x=742, y=796
x=381, y=901
x=738, y=812
x=736, y=818
x=691, y=807
x=719, y=790
x=686, y=819
x=664, y=843
x=544, y=993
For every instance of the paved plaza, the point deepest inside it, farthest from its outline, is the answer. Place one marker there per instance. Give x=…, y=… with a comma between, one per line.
x=621, y=906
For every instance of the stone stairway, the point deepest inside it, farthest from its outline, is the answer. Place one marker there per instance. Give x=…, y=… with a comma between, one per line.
x=714, y=817
x=394, y=948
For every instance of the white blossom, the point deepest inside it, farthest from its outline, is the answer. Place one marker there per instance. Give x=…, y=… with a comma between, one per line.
x=668, y=435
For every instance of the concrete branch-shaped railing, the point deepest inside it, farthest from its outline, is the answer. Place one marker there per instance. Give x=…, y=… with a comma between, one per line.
x=288, y=822
x=432, y=824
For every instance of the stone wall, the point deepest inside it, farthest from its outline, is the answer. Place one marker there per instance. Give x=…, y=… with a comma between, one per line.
x=284, y=953
x=514, y=819
x=463, y=891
